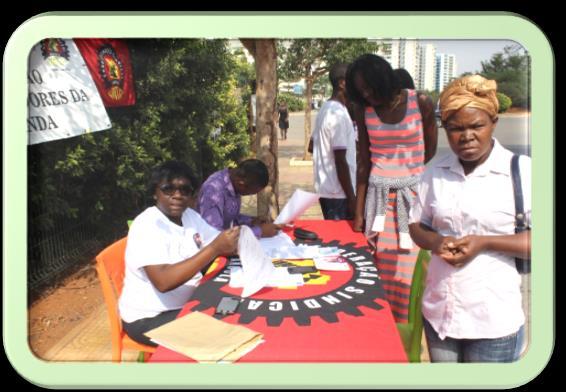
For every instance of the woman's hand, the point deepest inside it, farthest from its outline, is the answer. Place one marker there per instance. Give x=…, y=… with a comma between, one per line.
x=444, y=246
x=226, y=243
x=358, y=223
x=351, y=207
x=458, y=252
x=468, y=248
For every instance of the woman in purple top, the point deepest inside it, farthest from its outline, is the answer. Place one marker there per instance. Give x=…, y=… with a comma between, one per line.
x=220, y=199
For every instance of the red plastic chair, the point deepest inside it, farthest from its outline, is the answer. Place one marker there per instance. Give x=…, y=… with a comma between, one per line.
x=110, y=266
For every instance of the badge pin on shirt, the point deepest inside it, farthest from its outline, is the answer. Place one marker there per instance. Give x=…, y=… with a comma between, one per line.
x=198, y=240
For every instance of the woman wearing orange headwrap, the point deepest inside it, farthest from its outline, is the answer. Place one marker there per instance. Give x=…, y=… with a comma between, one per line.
x=465, y=214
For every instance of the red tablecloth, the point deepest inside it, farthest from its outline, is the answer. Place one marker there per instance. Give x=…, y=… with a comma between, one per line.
x=335, y=317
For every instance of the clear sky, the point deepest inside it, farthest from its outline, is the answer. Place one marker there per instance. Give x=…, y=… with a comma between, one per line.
x=469, y=53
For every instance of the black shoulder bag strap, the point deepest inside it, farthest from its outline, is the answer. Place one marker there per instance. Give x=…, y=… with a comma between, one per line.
x=523, y=266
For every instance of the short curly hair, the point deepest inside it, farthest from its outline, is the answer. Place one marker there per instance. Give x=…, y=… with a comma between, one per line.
x=168, y=171
x=254, y=172
x=337, y=73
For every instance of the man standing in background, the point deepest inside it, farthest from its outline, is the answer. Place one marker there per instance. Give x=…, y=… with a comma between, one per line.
x=334, y=151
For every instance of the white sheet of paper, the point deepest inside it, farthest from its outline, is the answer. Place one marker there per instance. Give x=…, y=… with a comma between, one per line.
x=256, y=265
x=297, y=204
x=287, y=252
x=282, y=278
x=236, y=277
x=279, y=278
x=281, y=240
x=303, y=251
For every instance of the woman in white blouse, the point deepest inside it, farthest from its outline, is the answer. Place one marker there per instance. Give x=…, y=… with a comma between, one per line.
x=168, y=245
x=465, y=214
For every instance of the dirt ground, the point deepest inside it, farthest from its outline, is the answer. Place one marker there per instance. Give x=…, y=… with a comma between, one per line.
x=60, y=309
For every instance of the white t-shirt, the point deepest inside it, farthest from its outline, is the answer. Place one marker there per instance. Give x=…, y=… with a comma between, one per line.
x=154, y=239
x=483, y=298
x=333, y=130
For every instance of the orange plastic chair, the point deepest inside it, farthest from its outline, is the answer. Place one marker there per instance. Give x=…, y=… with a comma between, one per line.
x=110, y=266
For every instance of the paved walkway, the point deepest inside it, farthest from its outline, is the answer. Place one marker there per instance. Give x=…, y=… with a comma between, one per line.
x=291, y=176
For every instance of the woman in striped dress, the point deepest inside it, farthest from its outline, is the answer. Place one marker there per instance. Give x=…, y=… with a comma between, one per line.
x=397, y=135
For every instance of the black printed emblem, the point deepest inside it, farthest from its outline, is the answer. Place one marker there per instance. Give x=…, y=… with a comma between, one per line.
x=359, y=288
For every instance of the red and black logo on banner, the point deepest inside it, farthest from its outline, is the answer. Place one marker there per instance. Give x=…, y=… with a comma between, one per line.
x=324, y=294
x=111, y=71
x=108, y=61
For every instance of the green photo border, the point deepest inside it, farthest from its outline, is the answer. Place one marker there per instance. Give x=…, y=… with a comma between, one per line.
x=438, y=25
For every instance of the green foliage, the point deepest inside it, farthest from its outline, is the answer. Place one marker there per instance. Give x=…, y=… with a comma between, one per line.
x=510, y=70
x=244, y=71
x=294, y=103
x=322, y=87
x=245, y=75
x=312, y=58
x=187, y=108
x=504, y=102
x=434, y=96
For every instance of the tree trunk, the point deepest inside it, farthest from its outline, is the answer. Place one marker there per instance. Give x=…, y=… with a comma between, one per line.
x=265, y=56
x=251, y=127
x=309, y=81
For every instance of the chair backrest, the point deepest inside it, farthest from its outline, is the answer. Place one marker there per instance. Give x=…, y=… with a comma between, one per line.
x=415, y=305
x=112, y=258
x=110, y=266
x=418, y=285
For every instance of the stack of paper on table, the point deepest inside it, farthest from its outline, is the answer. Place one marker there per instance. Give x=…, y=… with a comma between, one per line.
x=257, y=269
x=280, y=278
x=282, y=247
x=303, y=251
x=280, y=240
x=206, y=339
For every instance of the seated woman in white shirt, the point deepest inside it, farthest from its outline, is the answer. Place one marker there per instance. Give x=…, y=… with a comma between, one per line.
x=465, y=214
x=168, y=245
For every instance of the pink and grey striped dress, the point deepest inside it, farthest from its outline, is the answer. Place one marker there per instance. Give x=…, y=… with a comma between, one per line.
x=397, y=156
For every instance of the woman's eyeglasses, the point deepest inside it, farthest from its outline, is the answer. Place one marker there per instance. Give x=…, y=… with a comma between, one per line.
x=170, y=189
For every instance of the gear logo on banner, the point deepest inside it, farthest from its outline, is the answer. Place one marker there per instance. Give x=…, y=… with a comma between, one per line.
x=324, y=295
x=111, y=71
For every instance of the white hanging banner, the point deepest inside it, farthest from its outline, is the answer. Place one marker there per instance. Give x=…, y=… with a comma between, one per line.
x=63, y=100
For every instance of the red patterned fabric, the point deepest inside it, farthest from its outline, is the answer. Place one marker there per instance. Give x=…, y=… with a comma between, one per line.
x=397, y=150
x=108, y=61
